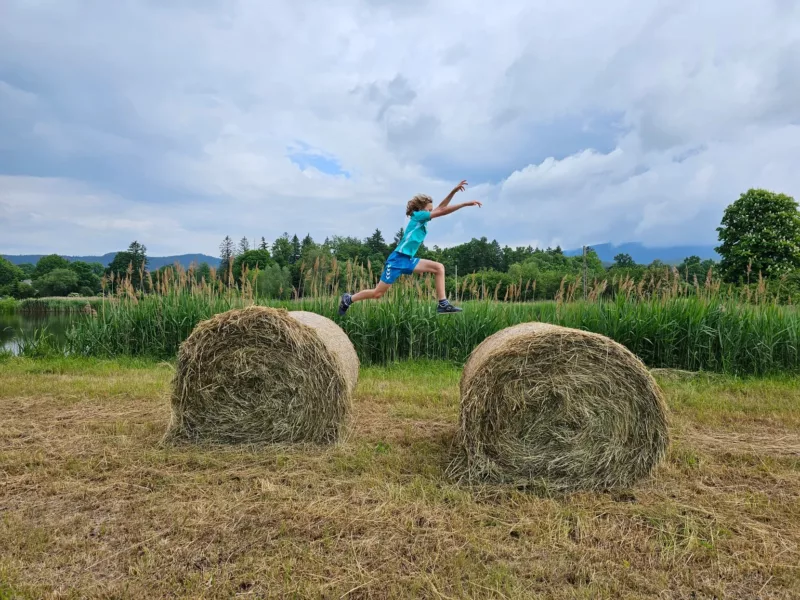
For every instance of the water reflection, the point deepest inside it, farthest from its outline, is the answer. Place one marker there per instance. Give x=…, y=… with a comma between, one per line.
x=16, y=326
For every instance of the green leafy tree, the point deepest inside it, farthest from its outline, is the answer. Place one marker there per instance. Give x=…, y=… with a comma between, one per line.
x=515, y=255
x=397, y=237
x=27, y=270
x=624, y=267
x=309, y=251
x=9, y=273
x=202, y=272
x=296, y=249
x=476, y=255
x=376, y=245
x=624, y=261
x=348, y=248
x=118, y=267
x=58, y=282
x=275, y=282
x=307, y=245
x=282, y=250
x=252, y=259
x=549, y=267
x=760, y=232
x=139, y=254
x=22, y=290
x=87, y=278
x=132, y=261
x=693, y=266
x=226, y=255
x=594, y=264
x=49, y=263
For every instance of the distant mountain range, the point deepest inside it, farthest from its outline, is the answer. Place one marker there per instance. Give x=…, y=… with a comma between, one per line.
x=153, y=262
x=671, y=255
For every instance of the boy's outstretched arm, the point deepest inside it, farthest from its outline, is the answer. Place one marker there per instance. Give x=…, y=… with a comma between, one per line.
x=459, y=188
x=440, y=211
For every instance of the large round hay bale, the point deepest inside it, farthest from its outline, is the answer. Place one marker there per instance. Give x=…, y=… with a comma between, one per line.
x=566, y=408
x=260, y=374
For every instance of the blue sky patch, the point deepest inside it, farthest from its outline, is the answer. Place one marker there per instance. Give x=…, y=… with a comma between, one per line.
x=304, y=156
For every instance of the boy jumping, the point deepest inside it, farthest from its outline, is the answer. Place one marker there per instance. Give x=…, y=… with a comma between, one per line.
x=402, y=262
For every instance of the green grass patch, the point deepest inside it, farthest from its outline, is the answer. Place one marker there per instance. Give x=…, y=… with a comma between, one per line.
x=713, y=400
x=58, y=305
x=8, y=306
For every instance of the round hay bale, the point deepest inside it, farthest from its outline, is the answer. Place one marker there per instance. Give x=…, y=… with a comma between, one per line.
x=567, y=408
x=263, y=375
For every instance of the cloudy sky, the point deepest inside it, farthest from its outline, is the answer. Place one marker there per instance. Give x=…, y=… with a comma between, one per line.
x=177, y=122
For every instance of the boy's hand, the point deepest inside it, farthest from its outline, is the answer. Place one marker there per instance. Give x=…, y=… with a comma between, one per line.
x=441, y=211
x=460, y=187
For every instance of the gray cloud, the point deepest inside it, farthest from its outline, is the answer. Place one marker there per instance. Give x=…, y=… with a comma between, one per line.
x=384, y=95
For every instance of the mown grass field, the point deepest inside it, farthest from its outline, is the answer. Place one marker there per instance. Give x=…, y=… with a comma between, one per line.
x=91, y=506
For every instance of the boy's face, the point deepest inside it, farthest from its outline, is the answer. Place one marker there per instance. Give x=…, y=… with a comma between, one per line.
x=429, y=206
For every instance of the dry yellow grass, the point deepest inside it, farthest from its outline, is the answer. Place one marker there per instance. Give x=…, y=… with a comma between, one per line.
x=92, y=507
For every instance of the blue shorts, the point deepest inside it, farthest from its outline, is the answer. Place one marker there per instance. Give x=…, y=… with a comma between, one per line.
x=398, y=264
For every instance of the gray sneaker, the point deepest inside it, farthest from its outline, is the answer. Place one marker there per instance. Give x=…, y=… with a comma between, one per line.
x=345, y=303
x=447, y=308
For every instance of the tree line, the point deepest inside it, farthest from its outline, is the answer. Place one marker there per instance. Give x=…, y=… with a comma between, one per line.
x=52, y=275
x=759, y=238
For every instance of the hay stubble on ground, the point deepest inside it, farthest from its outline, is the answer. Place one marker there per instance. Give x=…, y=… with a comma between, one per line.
x=91, y=505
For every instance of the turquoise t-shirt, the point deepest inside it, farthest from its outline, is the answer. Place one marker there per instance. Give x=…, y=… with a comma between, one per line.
x=415, y=233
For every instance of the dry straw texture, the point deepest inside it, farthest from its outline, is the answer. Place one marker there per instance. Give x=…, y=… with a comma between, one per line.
x=565, y=408
x=259, y=375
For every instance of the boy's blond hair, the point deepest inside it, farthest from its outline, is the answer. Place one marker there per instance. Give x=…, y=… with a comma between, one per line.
x=417, y=203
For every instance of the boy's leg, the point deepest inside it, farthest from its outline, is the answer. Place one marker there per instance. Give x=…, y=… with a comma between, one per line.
x=388, y=276
x=430, y=266
x=373, y=294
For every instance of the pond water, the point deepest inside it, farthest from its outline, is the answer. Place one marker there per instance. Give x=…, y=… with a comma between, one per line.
x=17, y=326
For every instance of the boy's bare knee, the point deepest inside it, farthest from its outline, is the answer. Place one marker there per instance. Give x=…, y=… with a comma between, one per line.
x=439, y=268
x=377, y=294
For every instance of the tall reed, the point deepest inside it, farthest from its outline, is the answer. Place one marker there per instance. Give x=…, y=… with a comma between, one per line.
x=57, y=305
x=8, y=306
x=703, y=331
